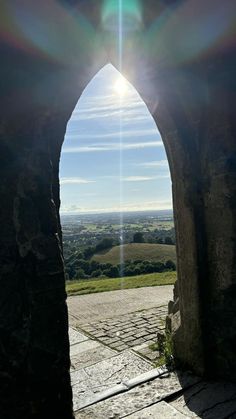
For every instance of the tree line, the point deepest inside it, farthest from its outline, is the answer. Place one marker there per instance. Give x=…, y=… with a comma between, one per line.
x=78, y=265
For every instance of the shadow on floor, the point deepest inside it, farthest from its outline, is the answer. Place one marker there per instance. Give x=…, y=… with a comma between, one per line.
x=208, y=400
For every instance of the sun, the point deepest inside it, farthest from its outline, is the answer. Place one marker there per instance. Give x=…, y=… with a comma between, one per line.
x=120, y=86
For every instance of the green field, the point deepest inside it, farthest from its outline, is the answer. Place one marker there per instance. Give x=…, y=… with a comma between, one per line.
x=90, y=286
x=137, y=251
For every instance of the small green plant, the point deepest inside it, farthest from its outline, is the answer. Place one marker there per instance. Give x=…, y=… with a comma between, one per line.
x=153, y=346
x=164, y=346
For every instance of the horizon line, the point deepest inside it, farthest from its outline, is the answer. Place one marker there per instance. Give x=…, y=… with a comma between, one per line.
x=95, y=212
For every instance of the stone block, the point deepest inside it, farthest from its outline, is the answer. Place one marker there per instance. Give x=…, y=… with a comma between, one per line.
x=161, y=410
x=139, y=397
x=76, y=337
x=89, y=381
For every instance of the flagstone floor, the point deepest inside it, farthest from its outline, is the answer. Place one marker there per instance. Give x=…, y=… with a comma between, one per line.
x=113, y=373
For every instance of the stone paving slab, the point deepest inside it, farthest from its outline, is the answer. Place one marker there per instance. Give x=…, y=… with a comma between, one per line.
x=89, y=355
x=161, y=410
x=76, y=337
x=81, y=347
x=139, y=397
x=89, y=381
x=144, y=350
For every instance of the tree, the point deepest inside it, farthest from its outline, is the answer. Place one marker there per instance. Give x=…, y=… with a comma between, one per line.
x=96, y=273
x=85, y=265
x=137, y=271
x=159, y=266
x=113, y=272
x=89, y=251
x=138, y=237
x=80, y=274
x=168, y=240
x=170, y=265
x=104, y=244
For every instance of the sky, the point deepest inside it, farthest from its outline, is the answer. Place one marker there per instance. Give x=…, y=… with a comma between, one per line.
x=113, y=157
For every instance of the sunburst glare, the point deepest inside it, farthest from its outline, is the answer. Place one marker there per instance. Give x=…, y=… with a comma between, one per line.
x=121, y=86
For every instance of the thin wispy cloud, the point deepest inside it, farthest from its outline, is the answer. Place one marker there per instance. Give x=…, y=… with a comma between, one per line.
x=151, y=132
x=138, y=178
x=114, y=113
x=108, y=103
x=75, y=181
x=161, y=165
x=151, y=164
x=93, y=148
x=144, y=178
x=100, y=106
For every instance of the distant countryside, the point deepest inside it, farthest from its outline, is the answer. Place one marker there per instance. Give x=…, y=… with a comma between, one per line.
x=105, y=252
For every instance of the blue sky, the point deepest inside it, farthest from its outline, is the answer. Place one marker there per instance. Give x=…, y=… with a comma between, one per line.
x=113, y=157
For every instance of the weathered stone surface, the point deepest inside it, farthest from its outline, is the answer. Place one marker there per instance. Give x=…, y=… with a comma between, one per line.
x=139, y=397
x=81, y=347
x=90, y=355
x=160, y=410
x=76, y=337
x=144, y=350
x=89, y=381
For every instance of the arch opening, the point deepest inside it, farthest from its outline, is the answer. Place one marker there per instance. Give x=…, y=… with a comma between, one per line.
x=116, y=212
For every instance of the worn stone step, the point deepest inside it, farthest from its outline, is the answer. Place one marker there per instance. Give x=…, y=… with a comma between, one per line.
x=89, y=382
x=140, y=395
x=161, y=410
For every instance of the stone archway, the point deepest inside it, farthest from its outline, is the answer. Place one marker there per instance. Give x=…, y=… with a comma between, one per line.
x=196, y=118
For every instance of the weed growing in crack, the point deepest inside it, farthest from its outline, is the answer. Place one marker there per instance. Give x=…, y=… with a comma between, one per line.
x=164, y=346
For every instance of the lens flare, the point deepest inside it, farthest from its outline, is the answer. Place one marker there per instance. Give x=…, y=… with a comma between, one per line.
x=131, y=14
x=120, y=86
x=36, y=27
x=189, y=30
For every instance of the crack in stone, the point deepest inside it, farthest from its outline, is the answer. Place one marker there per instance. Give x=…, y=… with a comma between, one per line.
x=123, y=366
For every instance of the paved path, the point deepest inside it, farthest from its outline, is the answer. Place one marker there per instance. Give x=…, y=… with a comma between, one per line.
x=136, y=330
x=123, y=319
x=93, y=307
x=108, y=384
x=111, y=372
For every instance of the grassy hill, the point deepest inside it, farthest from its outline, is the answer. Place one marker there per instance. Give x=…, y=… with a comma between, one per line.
x=91, y=286
x=137, y=251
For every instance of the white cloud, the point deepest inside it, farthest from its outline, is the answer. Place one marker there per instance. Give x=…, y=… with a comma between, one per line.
x=75, y=181
x=110, y=105
x=112, y=147
x=144, y=178
x=151, y=164
x=96, y=106
x=138, y=178
x=128, y=133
